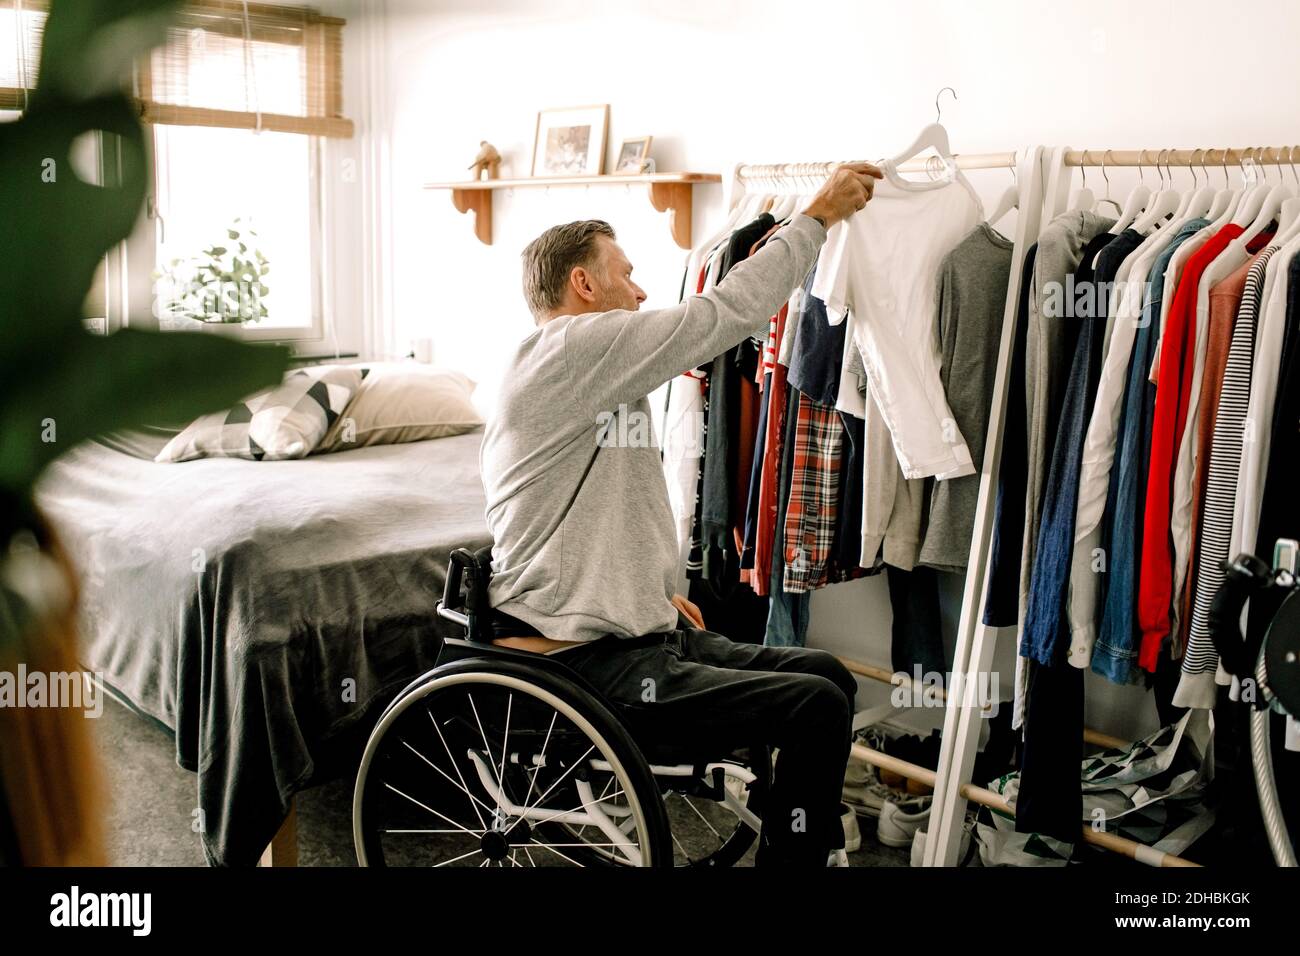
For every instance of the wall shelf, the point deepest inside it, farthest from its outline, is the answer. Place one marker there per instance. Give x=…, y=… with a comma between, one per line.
x=669, y=192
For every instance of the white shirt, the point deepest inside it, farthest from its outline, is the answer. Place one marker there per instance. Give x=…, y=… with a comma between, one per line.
x=1263, y=396
x=1173, y=274
x=882, y=266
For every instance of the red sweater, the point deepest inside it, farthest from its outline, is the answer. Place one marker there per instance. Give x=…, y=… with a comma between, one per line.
x=1173, y=393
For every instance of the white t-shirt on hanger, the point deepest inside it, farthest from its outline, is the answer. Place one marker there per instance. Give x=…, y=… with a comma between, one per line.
x=882, y=266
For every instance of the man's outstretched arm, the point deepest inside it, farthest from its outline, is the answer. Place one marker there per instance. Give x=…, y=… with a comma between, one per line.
x=620, y=356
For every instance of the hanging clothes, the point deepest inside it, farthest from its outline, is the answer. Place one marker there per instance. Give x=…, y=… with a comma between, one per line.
x=1102, y=481
x=1173, y=396
x=1264, y=384
x=788, y=613
x=881, y=266
x=1182, y=507
x=1001, y=601
x=973, y=280
x=1224, y=303
x=1114, y=651
x=767, y=523
x=1279, y=515
x=722, y=455
x=1046, y=635
x=814, y=488
x=1196, y=687
x=1047, y=365
x=755, y=514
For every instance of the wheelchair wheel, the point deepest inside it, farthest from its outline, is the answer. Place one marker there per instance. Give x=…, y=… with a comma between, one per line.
x=478, y=762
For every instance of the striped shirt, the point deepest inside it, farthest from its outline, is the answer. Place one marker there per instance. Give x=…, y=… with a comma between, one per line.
x=1196, y=686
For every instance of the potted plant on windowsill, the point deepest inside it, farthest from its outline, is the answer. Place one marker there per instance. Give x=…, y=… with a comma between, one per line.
x=221, y=289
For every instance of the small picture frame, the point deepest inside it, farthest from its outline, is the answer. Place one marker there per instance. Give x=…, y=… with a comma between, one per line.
x=632, y=156
x=570, y=141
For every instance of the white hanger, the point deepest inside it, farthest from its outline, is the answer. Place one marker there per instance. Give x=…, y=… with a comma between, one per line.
x=743, y=211
x=785, y=206
x=1083, y=198
x=1136, y=202
x=1288, y=220
x=1180, y=214
x=1252, y=204
x=1162, y=204
x=1226, y=199
x=1269, y=209
x=933, y=136
x=1106, y=198
x=1196, y=202
x=1010, y=200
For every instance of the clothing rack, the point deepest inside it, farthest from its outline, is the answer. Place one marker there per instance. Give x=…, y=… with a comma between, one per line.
x=1209, y=156
x=1044, y=177
x=975, y=641
x=752, y=172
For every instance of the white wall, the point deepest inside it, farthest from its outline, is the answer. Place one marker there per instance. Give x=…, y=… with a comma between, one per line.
x=718, y=82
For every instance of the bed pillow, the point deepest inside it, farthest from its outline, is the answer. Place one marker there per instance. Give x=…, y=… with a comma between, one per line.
x=404, y=402
x=279, y=423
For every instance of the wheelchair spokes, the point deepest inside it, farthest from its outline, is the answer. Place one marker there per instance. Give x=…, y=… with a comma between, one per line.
x=494, y=771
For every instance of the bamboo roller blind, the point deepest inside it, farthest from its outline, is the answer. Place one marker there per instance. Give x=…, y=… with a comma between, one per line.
x=224, y=63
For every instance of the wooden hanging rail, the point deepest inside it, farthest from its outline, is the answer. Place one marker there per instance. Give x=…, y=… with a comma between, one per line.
x=995, y=801
x=757, y=172
x=1210, y=156
x=669, y=192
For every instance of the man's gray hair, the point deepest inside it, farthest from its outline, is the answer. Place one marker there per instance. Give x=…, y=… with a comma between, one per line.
x=554, y=254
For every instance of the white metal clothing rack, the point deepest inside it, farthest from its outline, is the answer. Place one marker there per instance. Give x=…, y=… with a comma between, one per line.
x=1043, y=175
x=975, y=641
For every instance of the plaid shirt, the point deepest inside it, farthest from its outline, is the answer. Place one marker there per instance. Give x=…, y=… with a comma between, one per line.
x=814, y=491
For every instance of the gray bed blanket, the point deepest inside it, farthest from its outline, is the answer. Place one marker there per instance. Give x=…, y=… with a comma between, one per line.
x=263, y=611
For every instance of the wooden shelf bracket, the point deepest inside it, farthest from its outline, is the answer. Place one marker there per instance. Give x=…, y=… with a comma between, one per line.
x=674, y=199
x=479, y=202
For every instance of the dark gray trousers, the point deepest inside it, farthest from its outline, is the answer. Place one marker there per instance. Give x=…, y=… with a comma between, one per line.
x=699, y=688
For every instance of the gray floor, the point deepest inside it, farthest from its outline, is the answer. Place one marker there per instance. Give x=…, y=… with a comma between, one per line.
x=152, y=803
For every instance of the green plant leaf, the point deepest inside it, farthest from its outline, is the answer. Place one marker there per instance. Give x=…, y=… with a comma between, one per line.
x=99, y=384
x=91, y=45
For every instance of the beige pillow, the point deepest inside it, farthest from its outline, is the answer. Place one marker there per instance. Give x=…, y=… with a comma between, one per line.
x=402, y=402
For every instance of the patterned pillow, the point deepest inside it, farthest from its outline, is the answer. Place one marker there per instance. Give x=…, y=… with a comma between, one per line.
x=284, y=422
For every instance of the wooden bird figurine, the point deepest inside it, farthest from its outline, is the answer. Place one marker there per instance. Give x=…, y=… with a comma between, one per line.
x=487, y=161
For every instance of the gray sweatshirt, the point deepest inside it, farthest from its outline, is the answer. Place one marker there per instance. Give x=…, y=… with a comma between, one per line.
x=584, y=542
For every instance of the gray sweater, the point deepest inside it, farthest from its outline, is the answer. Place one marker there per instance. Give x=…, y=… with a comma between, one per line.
x=584, y=542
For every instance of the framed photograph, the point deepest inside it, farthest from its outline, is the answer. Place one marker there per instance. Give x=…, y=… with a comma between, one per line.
x=632, y=155
x=571, y=142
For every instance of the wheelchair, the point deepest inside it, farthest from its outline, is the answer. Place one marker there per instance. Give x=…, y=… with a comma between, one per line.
x=504, y=757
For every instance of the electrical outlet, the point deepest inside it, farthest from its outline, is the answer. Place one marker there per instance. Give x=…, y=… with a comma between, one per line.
x=96, y=326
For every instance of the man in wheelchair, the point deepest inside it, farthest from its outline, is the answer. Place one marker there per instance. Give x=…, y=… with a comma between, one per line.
x=585, y=555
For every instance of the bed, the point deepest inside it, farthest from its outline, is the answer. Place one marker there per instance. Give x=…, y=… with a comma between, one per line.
x=263, y=611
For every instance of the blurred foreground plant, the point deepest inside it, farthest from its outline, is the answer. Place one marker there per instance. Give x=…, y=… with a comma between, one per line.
x=60, y=385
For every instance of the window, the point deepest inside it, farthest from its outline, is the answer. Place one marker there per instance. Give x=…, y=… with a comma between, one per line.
x=240, y=97
x=22, y=23
x=253, y=199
